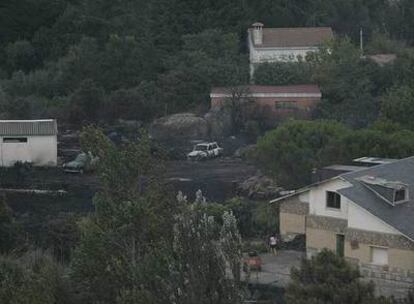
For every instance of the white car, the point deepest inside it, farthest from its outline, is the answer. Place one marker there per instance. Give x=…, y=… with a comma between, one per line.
x=204, y=151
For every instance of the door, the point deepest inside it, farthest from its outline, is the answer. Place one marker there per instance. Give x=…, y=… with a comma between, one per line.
x=340, y=245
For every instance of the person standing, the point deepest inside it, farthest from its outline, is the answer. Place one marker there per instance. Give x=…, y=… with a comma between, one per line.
x=273, y=244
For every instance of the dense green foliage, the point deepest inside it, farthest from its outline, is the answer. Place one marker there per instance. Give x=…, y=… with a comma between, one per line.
x=88, y=60
x=142, y=246
x=293, y=150
x=283, y=73
x=33, y=278
x=352, y=87
x=327, y=278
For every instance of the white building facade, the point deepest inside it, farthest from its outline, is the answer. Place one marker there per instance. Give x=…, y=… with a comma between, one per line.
x=28, y=141
x=364, y=216
x=283, y=44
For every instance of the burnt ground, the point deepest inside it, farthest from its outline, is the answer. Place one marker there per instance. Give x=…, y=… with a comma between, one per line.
x=216, y=178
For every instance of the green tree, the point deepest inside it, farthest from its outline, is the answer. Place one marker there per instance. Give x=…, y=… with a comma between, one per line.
x=140, y=246
x=291, y=151
x=33, y=278
x=194, y=70
x=86, y=103
x=139, y=103
x=21, y=55
x=328, y=278
x=398, y=106
x=283, y=73
x=231, y=244
x=346, y=82
x=202, y=252
x=121, y=249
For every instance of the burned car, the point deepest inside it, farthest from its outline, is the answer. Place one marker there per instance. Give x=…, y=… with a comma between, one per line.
x=82, y=163
x=204, y=151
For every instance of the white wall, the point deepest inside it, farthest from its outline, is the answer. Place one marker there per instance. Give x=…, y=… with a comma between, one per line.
x=317, y=199
x=359, y=218
x=39, y=150
x=304, y=197
x=261, y=55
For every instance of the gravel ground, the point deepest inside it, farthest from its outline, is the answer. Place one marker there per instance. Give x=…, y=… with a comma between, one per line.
x=276, y=269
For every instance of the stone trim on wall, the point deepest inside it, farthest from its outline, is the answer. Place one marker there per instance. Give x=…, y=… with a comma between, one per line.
x=294, y=206
x=326, y=223
x=361, y=236
x=379, y=239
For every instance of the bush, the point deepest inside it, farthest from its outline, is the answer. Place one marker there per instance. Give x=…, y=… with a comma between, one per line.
x=328, y=278
x=33, y=278
x=290, y=152
x=283, y=73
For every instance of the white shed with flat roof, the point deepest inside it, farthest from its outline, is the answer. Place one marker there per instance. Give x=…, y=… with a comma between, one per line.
x=32, y=141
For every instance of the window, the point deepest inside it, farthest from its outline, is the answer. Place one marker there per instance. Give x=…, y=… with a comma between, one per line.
x=286, y=105
x=333, y=200
x=15, y=140
x=379, y=256
x=399, y=195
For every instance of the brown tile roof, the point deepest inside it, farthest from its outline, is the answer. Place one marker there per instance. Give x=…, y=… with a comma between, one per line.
x=295, y=37
x=304, y=89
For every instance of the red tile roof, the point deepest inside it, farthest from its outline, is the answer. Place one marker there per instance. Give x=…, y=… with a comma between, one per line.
x=304, y=89
x=295, y=37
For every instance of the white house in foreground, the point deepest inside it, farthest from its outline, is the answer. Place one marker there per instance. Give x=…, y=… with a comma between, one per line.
x=284, y=44
x=366, y=216
x=33, y=141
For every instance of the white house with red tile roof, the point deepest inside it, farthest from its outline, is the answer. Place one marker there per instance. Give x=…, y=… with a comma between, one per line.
x=284, y=44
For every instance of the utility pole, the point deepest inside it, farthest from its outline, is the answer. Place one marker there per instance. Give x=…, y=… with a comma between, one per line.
x=361, y=41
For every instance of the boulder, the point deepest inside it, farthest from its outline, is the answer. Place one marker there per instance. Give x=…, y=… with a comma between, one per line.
x=179, y=126
x=260, y=187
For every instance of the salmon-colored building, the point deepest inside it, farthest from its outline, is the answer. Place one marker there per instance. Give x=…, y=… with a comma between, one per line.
x=270, y=103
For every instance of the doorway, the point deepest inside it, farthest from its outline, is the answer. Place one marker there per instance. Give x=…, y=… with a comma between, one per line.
x=340, y=245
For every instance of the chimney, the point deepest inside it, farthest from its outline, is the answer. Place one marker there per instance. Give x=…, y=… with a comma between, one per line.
x=257, y=33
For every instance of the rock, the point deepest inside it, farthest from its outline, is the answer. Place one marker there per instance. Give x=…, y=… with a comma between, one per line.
x=260, y=187
x=219, y=123
x=179, y=126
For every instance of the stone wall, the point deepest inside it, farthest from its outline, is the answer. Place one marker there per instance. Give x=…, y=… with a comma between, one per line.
x=294, y=206
x=292, y=217
x=334, y=225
